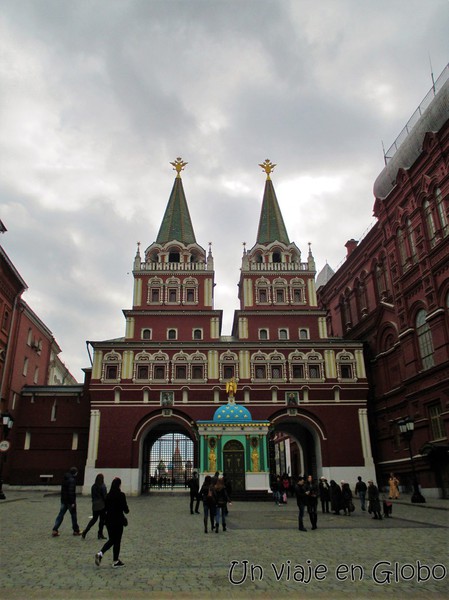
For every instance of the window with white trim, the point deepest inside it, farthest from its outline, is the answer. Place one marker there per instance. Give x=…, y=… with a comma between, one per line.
x=436, y=421
x=425, y=342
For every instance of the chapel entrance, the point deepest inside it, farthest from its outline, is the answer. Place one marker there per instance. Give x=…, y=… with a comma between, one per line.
x=234, y=465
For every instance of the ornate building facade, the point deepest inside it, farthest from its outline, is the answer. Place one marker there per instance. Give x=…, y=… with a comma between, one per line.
x=392, y=292
x=277, y=375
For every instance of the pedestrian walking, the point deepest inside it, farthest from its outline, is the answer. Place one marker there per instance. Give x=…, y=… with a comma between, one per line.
x=323, y=488
x=98, y=494
x=346, y=495
x=312, y=501
x=276, y=488
x=68, y=502
x=373, y=499
x=336, y=497
x=116, y=507
x=208, y=497
x=301, y=501
x=194, y=487
x=393, y=484
x=221, y=499
x=360, y=491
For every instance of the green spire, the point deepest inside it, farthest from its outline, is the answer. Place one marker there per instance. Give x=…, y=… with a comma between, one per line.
x=176, y=224
x=271, y=224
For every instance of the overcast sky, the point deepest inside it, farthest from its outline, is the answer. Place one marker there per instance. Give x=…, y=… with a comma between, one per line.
x=97, y=97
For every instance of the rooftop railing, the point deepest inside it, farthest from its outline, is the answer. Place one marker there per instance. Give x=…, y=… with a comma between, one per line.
x=437, y=85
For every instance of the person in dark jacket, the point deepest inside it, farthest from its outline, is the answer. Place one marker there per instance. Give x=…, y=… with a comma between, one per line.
x=312, y=500
x=346, y=495
x=221, y=499
x=373, y=500
x=360, y=491
x=336, y=497
x=98, y=493
x=301, y=501
x=208, y=497
x=194, y=487
x=323, y=488
x=116, y=506
x=68, y=502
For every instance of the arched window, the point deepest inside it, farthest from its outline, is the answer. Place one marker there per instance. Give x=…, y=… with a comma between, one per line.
x=346, y=366
x=180, y=370
x=259, y=362
x=197, y=367
x=430, y=223
x=280, y=291
x=411, y=240
x=155, y=287
x=197, y=334
x=315, y=366
x=112, y=366
x=159, y=366
x=297, y=291
x=263, y=334
x=297, y=366
x=190, y=291
x=146, y=334
x=172, y=334
x=424, y=340
x=401, y=247
x=277, y=366
x=303, y=334
x=441, y=212
x=262, y=291
x=142, y=366
x=229, y=366
x=283, y=334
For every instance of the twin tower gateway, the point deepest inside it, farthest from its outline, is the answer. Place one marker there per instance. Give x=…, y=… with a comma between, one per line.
x=277, y=395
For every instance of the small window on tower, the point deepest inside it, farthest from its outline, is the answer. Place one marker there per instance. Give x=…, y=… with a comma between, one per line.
x=283, y=334
x=190, y=295
x=172, y=295
x=228, y=372
x=197, y=334
x=159, y=372
x=181, y=372
x=298, y=371
x=197, y=372
x=276, y=257
x=174, y=257
x=111, y=372
x=142, y=372
x=280, y=296
x=146, y=334
x=263, y=334
x=171, y=334
x=155, y=295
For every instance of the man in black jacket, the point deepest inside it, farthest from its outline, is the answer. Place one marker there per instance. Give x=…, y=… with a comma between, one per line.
x=194, y=485
x=68, y=502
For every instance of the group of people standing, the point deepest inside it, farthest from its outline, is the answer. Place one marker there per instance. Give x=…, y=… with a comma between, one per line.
x=108, y=508
x=215, y=494
x=336, y=498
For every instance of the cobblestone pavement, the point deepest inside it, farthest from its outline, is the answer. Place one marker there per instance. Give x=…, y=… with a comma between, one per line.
x=261, y=555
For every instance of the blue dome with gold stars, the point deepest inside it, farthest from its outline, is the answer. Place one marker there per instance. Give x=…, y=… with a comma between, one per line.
x=232, y=413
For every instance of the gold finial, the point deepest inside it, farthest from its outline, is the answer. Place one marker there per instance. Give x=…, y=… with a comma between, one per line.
x=178, y=166
x=267, y=166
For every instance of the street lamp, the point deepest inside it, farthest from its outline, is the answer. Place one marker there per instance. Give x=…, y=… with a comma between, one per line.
x=7, y=423
x=407, y=428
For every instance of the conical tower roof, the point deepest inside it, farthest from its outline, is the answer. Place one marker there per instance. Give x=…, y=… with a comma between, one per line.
x=176, y=223
x=271, y=224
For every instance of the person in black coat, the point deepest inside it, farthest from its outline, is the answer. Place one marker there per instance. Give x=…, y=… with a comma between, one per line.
x=336, y=497
x=373, y=500
x=323, y=488
x=116, y=506
x=312, y=500
x=346, y=497
x=98, y=493
x=301, y=501
x=68, y=502
x=194, y=487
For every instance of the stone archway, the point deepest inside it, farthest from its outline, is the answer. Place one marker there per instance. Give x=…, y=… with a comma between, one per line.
x=169, y=456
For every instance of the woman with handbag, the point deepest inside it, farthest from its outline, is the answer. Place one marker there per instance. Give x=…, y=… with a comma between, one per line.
x=116, y=507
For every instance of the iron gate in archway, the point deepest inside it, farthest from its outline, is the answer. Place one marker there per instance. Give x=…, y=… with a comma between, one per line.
x=168, y=461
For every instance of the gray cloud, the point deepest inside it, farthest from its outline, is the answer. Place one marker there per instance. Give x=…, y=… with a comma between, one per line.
x=97, y=98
